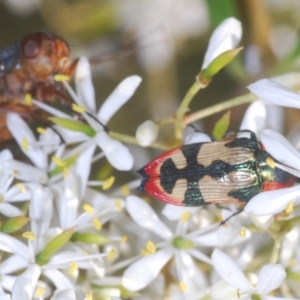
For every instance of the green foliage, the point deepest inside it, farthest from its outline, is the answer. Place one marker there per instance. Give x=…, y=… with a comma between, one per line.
x=221, y=127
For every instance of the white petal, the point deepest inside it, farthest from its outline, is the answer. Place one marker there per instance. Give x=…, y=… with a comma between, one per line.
x=9, y=210
x=51, y=110
x=58, y=279
x=118, y=98
x=147, y=133
x=15, y=194
x=25, y=172
x=225, y=37
x=263, y=222
x=221, y=290
x=40, y=212
x=275, y=93
x=12, y=245
x=230, y=272
x=49, y=140
x=270, y=277
x=82, y=168
x=266, y=297
x=143, y=271
x=67, y=294
x=255, y=118
x=289, y=246
x=5, y=155
x=280, y=148
x=197, y=137
x=116, y=153
x=20, y=130
x=200, y=256
x=12, y=264
x=143, y=214
x=190, y=274
x=84, y=85
x=24, y=285
x=67, y=204
x=174, y=212
x=272, y=202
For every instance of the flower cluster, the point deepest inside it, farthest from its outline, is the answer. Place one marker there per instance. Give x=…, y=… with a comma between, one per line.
x=66, y=236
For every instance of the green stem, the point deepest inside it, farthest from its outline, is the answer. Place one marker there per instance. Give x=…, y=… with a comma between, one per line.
x=132, y=140
x=276, y=250
x=184, y=106
x=248, y=98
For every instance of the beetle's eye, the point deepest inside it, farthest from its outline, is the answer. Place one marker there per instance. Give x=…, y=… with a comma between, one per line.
x=31, y=45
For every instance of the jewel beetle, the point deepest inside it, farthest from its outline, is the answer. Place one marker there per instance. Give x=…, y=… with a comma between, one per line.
x=228, y=171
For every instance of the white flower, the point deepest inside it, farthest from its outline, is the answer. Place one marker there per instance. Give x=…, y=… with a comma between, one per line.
x=270, y=277
x=8, y=194
x=225, y=37
x=24, y=257
x=147, y=133
x=117, y=154
x=139, y=274
x=276, y=93
x=181, y=244
x=275, y=201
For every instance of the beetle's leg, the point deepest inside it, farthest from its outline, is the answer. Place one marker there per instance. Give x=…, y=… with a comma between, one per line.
x=232, y=215
x=200, y=131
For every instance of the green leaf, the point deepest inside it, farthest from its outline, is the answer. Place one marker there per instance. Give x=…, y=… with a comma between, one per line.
x=218, y=63
x=221, y=126
x=90, y=238
x=53, y=246
x=74, y=126
x=14, y=224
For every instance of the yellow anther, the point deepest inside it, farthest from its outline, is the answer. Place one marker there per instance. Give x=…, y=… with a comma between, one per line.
x=78, y=108
x=73, y=268
x=58, y=161
x=24, y=144
x=88, y=208
x=125, y=190
x=97, y=224
x=41, y=130
x=182, y=286
x=270, y=162
x=185, y=216
x=15, y=173
x=124, y=239
x=28, y=99
x=108, y=183
x=119, y=205
x=61, y=77
x=88, y=296
x=40, y=291
x=289, y=208
x=151, y=247
x=242, y=232
x=111, y=254
x=21, y=187
x=29, y=235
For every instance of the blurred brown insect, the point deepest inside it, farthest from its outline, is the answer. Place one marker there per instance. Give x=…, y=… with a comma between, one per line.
x=28, y=67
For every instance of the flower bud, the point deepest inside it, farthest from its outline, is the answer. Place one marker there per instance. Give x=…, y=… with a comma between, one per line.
x=147, y=133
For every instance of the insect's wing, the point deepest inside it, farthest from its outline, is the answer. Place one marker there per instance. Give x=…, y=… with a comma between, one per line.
x=203, y=173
